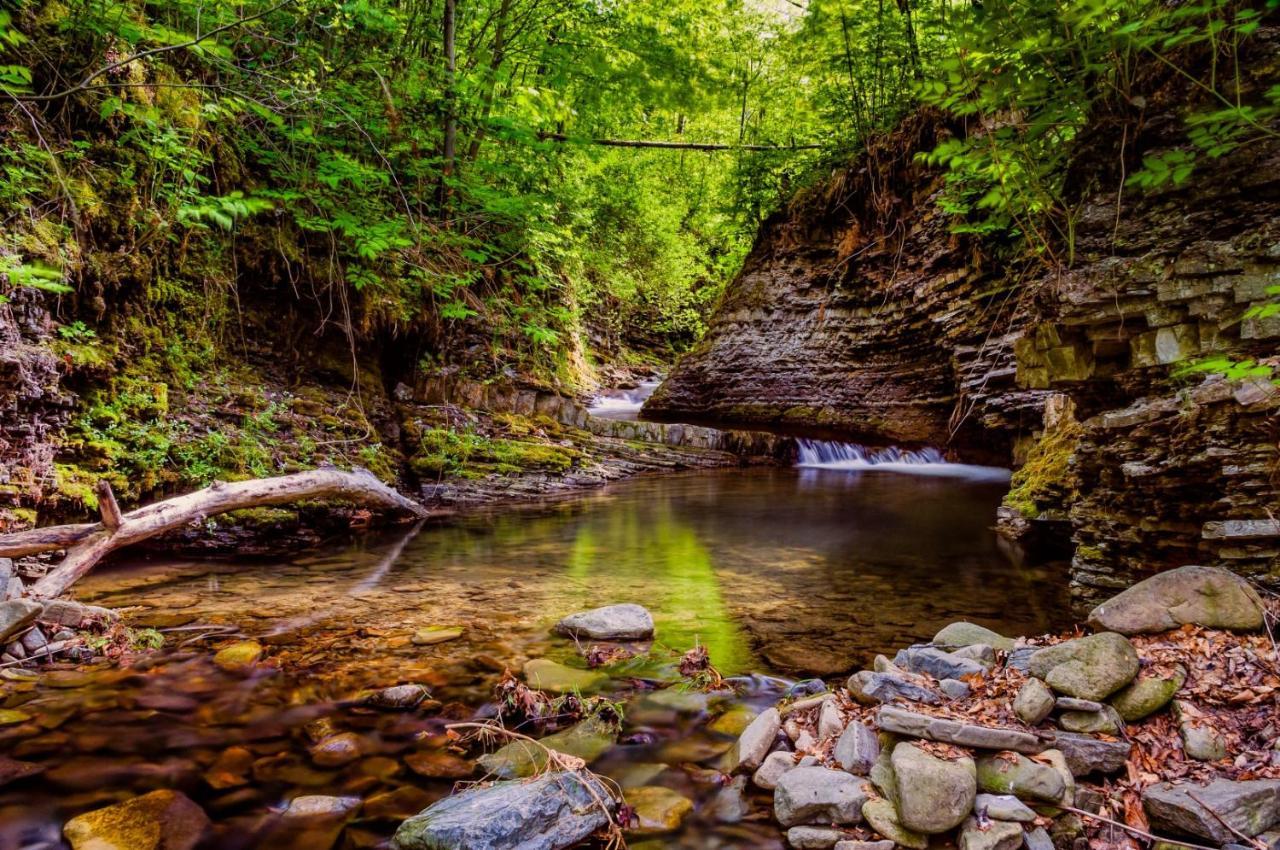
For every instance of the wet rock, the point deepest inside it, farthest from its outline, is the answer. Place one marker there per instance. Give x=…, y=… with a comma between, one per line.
x=238, y=657
x=437, y=764
x=933, y=794
x=161, y=820
x=757, y=739
x=432, y=635
x=903, y=722
x=938, y=664
x=313, y=821
x=12, y=770
x=818, y=794
x=869, y=688
x=337, y=750
x=398, y=698
x=612, y=622
x=1204, y=596
x=13, y=716
x=813, y=837
x=664, y=707
x=657, y=809
x=881, y=816
x=231, y=770
x=733, y=722
x=995, y=835
x=1034, y=702
x=1092, y=667
x=1104, y=722
x=546, y=675
x=1212, y=811
x=729, y=805
x=587, y=740
x=856, y=749
x=397, y=804
x=1200, y=739
x=633, y=774
x=1011, y=773
x=553, y=811
x=967, y=634
x=1086, y=754
x=16, y=615
x=1147, y=695
x=1003, y=807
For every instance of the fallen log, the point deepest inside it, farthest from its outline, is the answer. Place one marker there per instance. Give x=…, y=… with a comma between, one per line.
x=89, y=543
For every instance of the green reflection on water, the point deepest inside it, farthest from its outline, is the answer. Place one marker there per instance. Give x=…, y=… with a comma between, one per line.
x=648, y=550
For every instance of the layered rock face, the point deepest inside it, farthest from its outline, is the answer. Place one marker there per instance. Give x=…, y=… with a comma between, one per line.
x=859, y=310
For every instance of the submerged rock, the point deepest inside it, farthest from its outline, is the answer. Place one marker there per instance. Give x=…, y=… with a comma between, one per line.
x=1204, y=596
x=161, y=820
x=933, y=794
x=612, y=622
x=818, y=794
x=399, y=698
x=656, y=809
x=238, y=657
x=1212, y=811
x=553, y=811
x=1092, y=667
x=432, y=635
x=546, y=675
x=587, y=740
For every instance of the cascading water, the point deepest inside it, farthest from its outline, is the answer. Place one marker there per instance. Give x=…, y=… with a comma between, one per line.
x=825, y=454
x=622, y=404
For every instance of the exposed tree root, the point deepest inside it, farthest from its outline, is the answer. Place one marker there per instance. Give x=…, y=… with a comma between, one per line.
x=88, y=543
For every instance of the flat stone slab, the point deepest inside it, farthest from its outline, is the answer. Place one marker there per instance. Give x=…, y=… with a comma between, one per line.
x=903, y=722
x=869, y=688
x=1086, y=754
x=1207, y=811
x=1204, y=596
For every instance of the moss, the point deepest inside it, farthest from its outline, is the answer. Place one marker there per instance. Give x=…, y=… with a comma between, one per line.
x=445, y=452
x=74, y=484
x=1046, y=475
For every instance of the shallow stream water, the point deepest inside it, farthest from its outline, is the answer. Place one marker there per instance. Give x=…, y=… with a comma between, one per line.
x=791, y=572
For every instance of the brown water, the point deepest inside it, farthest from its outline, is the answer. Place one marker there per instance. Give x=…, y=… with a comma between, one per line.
x=775, y=571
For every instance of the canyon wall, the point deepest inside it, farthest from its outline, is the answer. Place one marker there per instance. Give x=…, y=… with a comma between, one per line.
x=860, y=310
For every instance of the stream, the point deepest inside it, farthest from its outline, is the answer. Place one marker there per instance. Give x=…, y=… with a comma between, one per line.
x=789, y=572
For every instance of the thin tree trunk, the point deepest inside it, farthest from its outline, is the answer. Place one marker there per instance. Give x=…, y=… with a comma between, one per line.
x=912, y=45
x=498, y=56
x=450, y=104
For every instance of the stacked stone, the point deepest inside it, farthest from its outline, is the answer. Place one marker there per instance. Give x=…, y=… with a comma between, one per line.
x=899, y=769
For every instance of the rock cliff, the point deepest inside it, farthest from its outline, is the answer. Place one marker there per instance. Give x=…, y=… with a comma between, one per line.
x=860, y=310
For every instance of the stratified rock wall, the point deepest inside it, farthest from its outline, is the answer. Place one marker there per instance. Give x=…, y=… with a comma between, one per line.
x=859, y=310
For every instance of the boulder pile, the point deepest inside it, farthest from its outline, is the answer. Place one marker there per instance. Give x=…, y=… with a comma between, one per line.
x=1161, y=725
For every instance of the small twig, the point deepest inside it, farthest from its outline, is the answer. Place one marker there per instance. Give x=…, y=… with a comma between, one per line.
x=1132, y=829
x=1237, y=833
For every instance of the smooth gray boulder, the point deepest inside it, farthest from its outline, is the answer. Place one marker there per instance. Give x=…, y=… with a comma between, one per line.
x=775, y=764
x=882, y=817
x=1201, y=740
x=933, y=794
x=902, y=722
x=755, y=742
x=1003, y=807
x=856, y=749
x=1009, y=773
x=553, y=811
x=612, y=622
x=1212, y=811
x=813, y=837
x=869, y=688
x=932, y=661
x=1086, y=754
x=967, y=634
x=1148, y=694
x=1034, y=702
x=996, y=835
x=16, y=615
x=1092, y=667
x=818, y=795
x=1204, y=596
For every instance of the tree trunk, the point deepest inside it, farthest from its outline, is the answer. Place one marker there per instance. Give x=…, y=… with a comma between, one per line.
x=497, y=57
x=88, y=543
x=450, y=104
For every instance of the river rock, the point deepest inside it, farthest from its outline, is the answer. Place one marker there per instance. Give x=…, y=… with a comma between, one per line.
x=12, y=770
x=818, y=794
x=16, y=615
x=1200, y=739
x=1206, y=811
x=983, y=653
x=729, y=805
x=612, y=622
x=161, y=820
x=546, y=675
x=754, y=744
x=1003, y=807
x=995, y=835
x=1085, y=754
x=954, y=688
x=1103, y=722
x=1037, y=839
x=899, y=720
x=1204, y=596
x=869, y=687
x=864, y=845
x=553, y=811
x=856, y=749
x=398, y=698
x=65, y=612
x=830, y=721
x=734, y=721
x=936, y=663
x=881, y=816
x=1147, y=695
x=1013, y=773
x=239, y=657
x=813, y=837
x=933, y=794
x=967, y=634
x=432, y=635
x=1092, y=667
x=1034, y=702
x=588, y=740
x=657, y=809
x=337, y=750
x=774, y=765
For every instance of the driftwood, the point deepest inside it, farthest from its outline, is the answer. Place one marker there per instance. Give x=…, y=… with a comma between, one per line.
x=88, y=543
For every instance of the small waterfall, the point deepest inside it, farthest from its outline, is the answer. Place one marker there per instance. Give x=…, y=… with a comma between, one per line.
x=622, y=404
x=825, y=454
